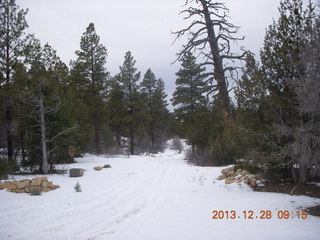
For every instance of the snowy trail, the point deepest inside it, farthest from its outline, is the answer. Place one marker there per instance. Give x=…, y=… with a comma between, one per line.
x=149, y=198
x=112, y=200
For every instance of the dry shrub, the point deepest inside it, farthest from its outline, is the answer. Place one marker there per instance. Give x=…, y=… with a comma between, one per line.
x=177, y=144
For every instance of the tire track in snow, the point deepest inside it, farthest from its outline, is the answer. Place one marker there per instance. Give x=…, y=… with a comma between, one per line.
x=63, y=213
x=152, y=198
x=131, y=197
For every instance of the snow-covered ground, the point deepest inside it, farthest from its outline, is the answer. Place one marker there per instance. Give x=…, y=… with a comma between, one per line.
x=150, y=198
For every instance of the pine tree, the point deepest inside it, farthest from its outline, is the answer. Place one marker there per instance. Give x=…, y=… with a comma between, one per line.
x=189, y=95
x=91, y=80
x=128, y=79
x=268, y=115
x=12, y=31
x=157, y=113
x=304, y=148
x=117, y=111
x=285, y=42
x=253, y=119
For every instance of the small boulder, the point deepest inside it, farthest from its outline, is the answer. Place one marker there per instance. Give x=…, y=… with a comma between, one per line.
x=253, y=182
x=76, y=172
x=228, y=181
x=98, y=168
x=36, y=182
x=246, y=180
x=17, y=190
x=50, y=184
x=238, y=172
x=245, y=172
x=34, y=190
x=5, y=185
x=43, y=179
x=222, y=177
x=22, y=184
x=238, y=177
x=44, y=184
x=45, y=189
x=11, y=186
x=227, y=170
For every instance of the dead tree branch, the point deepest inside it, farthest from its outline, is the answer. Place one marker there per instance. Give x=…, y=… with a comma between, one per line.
x=210, y=34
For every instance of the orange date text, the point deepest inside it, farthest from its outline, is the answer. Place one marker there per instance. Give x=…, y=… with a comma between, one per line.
x=263, y=214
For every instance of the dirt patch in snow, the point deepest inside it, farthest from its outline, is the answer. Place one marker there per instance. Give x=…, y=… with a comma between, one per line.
x=310, y=190
x=204, y=164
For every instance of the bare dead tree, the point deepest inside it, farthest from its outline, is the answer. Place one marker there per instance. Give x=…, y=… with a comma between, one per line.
x=34, y=99
x=210, y=34
x=38, y=95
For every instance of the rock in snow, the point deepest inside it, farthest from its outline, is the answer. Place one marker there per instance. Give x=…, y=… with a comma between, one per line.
x=40, y=184
x=230, y=176
x=98, y=168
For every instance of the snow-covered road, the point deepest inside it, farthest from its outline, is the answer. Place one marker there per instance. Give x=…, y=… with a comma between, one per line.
x=150, y=198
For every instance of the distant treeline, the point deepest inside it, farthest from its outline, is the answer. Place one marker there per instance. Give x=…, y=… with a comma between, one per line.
x=51, y=111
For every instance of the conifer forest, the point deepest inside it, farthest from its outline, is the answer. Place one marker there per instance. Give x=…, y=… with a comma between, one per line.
x=232, y=107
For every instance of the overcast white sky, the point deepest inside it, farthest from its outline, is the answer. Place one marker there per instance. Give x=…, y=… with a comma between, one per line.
x=141, y=26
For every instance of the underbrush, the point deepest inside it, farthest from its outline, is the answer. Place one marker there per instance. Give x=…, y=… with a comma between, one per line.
x=3, y=169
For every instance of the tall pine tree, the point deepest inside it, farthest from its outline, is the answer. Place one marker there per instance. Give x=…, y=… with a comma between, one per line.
x=12, y=30
x=128, y=79
x=189, y=95
x=284, y=45
x=91, y=78
x=269, y=96
x=117, y=111
x=157, y=113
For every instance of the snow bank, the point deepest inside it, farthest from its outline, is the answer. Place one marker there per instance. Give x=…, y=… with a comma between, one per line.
x=149, y=198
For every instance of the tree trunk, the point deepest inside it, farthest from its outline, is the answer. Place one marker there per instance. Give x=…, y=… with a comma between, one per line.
x=152, y=141
x=193, y=150
x=302, y=173
x=152, y=136
x=43, y=137
x=294, y=174
x=97, y=137
x=9, y=136
x=9, y=117
x=23, y=153
x=219, y=74
x=131, y=140
x=131, y=130
x=118, y=138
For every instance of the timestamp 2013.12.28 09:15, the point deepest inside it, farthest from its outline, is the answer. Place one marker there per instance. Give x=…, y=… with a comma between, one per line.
x=263, y=214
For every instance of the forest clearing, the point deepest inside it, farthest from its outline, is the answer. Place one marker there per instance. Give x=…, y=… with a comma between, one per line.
x=145, y=119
